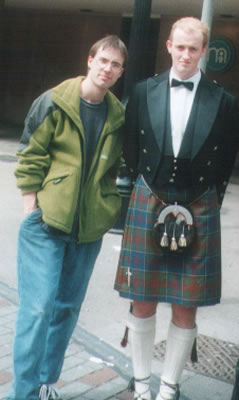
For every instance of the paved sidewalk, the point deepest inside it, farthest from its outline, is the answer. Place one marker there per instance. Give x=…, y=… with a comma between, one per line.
x=85, y=375
x=95, y=368
x=92, y=369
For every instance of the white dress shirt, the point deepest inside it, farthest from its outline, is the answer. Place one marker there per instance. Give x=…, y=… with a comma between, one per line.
x=181, y=100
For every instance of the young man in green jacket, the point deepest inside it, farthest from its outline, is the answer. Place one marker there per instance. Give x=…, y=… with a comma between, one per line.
x=68, y=161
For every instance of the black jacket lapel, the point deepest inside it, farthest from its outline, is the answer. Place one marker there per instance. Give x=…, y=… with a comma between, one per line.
x=208, y=102
x=157, y=101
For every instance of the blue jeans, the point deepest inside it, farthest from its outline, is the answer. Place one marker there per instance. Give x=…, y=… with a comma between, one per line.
x=53, y=276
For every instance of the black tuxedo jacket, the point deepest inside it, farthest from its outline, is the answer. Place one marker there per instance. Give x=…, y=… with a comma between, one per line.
x=215, y=139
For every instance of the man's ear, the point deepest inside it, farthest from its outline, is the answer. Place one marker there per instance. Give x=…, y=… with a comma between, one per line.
x=204, y=51
x=121, y=72
x=169, y=45
x=89, y=62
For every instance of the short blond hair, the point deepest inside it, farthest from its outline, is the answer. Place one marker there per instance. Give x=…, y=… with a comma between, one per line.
x=189, y=24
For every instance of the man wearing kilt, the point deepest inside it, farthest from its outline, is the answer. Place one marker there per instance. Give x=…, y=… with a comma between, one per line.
x=180, y=143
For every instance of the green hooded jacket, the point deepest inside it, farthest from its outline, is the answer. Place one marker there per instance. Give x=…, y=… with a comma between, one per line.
x=51, y=159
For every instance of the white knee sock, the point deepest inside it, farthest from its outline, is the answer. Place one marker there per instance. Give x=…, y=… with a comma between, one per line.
x=141, y=338
x=179, y=346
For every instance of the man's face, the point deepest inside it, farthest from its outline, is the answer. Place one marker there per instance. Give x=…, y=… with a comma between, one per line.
x=106, y=67
x=186, y=49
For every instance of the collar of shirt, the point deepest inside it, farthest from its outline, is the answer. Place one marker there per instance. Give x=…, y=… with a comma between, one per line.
x=181, y=100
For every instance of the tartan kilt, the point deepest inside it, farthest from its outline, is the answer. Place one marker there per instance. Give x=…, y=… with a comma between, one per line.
x=146, y=273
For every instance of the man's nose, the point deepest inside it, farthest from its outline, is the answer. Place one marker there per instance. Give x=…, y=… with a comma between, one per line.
x=186, y=53
x=107, y=66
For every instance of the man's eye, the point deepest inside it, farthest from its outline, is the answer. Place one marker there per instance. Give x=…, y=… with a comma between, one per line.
x=116, y=65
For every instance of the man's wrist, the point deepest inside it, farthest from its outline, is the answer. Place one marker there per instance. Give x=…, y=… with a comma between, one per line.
x=30, y=202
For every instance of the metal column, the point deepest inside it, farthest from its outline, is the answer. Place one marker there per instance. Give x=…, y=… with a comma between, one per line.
x=207, y=16
x=138, y=49
x=138, y=43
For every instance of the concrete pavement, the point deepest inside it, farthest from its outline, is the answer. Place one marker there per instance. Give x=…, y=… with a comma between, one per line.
x=96, y=367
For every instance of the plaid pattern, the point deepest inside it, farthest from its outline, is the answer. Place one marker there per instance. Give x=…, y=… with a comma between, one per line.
x=147, y=274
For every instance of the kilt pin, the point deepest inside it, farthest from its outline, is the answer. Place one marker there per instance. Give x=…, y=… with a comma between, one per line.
x=146, y=273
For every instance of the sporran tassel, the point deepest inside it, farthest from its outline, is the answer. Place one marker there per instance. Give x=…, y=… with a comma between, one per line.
x=173, y=245
x=182, y=241
x=164, y=240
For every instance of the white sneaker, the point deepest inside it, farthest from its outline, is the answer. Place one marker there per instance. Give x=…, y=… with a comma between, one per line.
x=48, y=392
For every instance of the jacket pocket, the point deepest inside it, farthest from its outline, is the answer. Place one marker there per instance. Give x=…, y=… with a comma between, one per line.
x=101, y=209
x=56, y=177
x=58, y=198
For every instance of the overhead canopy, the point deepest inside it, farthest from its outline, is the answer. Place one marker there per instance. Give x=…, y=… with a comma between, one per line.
x=163, y=7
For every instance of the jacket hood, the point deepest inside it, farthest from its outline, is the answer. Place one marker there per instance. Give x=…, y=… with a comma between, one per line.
x=67, y=96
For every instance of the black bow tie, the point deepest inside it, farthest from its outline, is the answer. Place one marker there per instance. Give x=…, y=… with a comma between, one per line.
x=188, y=85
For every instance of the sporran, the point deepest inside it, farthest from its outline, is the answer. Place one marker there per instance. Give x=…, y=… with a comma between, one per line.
x=174, y=230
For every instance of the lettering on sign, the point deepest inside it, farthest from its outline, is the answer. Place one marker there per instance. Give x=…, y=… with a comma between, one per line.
x=220, y=55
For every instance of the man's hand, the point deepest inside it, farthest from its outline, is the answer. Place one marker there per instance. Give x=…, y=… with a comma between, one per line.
x=29, y=202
